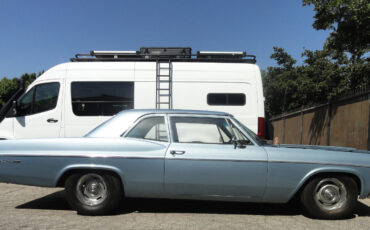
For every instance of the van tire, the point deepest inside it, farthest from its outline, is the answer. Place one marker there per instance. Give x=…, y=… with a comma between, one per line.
x=93, y=193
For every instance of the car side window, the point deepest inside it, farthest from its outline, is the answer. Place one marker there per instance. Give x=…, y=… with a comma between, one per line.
x=151, y=128
x=201, y=130
x=41, y=98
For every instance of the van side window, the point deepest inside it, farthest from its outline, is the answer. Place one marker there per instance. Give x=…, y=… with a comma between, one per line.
x=228, y=99
x=101, y=98
x=24, y=105
x=41, y=98
x=46, y=97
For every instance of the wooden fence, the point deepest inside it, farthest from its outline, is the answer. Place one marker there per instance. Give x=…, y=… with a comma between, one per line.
x=342, y=122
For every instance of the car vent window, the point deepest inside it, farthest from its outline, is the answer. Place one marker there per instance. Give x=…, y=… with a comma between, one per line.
x=101, y=98
x=151, y=128
x=228, y=99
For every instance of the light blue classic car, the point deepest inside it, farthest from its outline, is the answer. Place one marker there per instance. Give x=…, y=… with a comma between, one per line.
x=185, y=154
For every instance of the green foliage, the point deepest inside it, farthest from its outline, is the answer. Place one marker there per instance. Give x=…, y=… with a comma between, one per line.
x=9, y=86
x=349, y=21
x=319, y=79
x=328, y=73
x=280, y=82
x=283, y=58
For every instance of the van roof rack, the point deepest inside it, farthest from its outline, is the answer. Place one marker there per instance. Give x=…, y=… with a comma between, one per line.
x=180, y=54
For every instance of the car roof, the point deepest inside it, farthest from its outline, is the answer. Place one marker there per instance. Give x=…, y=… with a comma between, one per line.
x=173, y=111
x=123, y=120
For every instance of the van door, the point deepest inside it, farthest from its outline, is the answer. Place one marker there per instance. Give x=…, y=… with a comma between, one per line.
x=38, y=112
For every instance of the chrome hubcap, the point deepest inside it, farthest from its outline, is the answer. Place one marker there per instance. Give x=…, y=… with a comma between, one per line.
x=330, y=194
x=91, y=189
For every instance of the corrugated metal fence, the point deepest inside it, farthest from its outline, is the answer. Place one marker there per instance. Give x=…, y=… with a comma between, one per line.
x=341, y=122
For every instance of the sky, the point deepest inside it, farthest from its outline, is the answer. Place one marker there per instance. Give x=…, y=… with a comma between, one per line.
x=36, y=35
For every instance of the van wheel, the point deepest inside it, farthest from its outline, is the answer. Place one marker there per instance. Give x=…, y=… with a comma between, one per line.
x=93, y=193
x=330, y=197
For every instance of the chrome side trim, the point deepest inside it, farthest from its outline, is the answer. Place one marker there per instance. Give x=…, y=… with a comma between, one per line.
x=176, y=158
x=81, y=156
x=317, y=163
x=281, y=162
x=205, y=159
x=9, y=161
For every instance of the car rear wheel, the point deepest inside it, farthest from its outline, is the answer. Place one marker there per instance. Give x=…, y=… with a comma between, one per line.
x=330, y=197
x=93, y=193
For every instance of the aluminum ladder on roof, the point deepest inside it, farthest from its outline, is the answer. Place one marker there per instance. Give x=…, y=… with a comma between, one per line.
x=164, y=85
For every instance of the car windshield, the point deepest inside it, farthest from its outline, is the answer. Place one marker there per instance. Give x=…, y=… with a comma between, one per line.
x=251, y=134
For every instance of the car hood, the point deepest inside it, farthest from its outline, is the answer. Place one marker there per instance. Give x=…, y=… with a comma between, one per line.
x=326, y=155
x=322, y=147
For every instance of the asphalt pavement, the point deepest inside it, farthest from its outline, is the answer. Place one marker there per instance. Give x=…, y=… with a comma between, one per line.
x=26, y=207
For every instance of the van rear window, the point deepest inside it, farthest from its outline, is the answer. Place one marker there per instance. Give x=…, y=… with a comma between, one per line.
x=229, y=99
x=101, y=98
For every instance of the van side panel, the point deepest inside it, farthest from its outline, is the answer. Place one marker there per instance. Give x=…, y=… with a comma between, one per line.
x=6, y=129
x=145, y=85
x=77, y=126
x=192, y=82
x=259, y=90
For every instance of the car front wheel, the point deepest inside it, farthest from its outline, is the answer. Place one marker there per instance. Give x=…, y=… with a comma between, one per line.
x=93, y=193
x=330, y=197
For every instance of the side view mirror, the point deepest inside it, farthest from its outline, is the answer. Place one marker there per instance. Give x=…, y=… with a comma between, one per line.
x=14, y=108
x=238, y=143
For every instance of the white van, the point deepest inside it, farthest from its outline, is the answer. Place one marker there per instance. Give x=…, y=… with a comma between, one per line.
x=72, y=98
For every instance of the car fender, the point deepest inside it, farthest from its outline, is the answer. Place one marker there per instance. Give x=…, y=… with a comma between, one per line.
x=89, y=167
x=331, y=169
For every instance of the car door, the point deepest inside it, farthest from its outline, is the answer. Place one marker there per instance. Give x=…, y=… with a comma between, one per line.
x=39, y=112
x=202, y=161
x=144, y=173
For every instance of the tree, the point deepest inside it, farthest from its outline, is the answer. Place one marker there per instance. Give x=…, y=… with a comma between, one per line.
x=9, y=86
x=28, y=78
x=280, y=83
x=328, y=73
x=328, y=79
x=349, y=21
x=319, y=79
x=283, y=58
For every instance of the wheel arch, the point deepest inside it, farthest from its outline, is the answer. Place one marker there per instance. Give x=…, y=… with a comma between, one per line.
x=330, y=172
x=66, y=172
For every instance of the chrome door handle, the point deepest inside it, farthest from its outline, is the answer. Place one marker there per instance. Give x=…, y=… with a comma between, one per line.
x=52, y=120
x=177, y=152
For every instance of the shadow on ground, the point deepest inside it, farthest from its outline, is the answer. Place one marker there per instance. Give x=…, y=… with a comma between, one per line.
x=56, y=201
